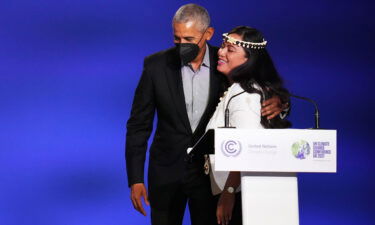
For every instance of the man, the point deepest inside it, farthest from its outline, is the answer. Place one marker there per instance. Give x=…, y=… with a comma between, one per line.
x=183, y=86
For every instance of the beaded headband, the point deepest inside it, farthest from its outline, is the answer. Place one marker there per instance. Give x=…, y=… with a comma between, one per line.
x=245, y=44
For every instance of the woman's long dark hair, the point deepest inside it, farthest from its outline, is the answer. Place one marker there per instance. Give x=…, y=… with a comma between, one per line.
x=259, y=69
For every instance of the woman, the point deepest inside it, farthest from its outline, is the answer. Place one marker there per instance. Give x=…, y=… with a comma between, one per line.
x=244, y=59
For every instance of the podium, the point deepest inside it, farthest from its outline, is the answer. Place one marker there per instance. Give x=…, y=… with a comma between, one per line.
x=269, y=161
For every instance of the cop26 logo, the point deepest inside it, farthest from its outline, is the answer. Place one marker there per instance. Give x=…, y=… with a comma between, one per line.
x=301, y=149
x=231, y=148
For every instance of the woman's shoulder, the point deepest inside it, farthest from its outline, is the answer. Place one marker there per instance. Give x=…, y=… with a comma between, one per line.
x=244, y=100
x=237, y=89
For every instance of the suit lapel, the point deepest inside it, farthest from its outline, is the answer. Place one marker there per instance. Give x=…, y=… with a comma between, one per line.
x=174, y=79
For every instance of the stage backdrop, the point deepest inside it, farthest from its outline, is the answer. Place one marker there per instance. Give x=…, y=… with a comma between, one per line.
x=68, y=71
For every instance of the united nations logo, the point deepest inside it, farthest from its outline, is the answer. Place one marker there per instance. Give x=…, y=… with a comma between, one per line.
x=231, y=148
x=301, y=149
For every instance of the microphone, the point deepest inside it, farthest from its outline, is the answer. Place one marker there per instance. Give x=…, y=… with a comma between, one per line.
x=226, y=114
x=316, y=114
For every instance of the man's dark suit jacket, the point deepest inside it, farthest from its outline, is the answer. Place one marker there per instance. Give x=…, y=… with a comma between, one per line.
x=160, y=89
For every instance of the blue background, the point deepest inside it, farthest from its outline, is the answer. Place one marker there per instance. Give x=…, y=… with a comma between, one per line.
x=68, y=71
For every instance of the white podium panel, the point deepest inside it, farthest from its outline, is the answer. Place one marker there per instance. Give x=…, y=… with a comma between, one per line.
x=275, y=150
x=269, y=199
x=269, y=160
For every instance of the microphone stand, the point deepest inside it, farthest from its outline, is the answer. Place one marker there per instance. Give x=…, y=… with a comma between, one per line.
x=316, y=114
x=226, y=113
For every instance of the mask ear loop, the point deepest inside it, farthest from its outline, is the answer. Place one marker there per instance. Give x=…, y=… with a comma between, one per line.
x=202, y=35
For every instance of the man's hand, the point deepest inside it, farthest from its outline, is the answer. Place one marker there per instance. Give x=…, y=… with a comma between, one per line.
x=272, y=107
x=225, y=208
x=137, y=192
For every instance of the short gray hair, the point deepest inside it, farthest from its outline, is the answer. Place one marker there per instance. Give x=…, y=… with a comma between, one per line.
x=193, y=12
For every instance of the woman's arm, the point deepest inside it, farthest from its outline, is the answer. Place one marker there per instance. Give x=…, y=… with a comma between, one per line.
x=227, y=198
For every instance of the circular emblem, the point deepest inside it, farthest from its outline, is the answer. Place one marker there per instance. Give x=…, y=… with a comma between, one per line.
x=231, y=148
x=301, y=149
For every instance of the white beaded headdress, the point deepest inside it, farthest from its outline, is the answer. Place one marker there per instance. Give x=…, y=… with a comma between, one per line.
x=245, y=44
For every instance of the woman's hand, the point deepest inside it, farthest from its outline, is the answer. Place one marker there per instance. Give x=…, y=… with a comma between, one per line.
x=225, y=208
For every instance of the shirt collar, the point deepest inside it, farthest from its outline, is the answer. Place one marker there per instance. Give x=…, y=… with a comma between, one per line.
x=206, y=58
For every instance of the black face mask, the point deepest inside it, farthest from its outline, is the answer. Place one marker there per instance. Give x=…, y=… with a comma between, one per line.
x=188, y=51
